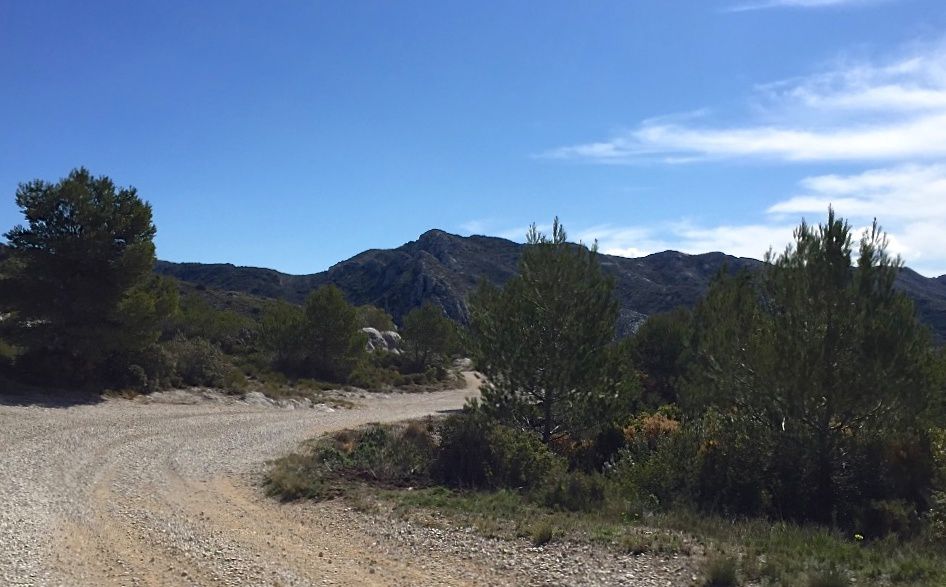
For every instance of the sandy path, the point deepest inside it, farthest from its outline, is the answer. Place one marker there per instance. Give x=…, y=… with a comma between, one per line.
x=120, y=493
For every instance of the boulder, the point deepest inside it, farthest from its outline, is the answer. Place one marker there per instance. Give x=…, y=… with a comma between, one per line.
x=393, y=339
x=387, y=341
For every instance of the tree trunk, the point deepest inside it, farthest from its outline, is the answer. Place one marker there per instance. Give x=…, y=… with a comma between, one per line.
x=547, y=414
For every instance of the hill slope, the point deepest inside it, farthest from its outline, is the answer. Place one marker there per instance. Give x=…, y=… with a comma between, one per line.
x=445, y=268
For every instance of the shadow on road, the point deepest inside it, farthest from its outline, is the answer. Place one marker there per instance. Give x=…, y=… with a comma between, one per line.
x=19, y=394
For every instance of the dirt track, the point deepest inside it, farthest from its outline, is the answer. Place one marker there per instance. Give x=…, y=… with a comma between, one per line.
x=119, y=493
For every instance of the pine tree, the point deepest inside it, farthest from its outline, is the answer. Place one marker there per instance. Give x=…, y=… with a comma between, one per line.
x=428, y=333
x=659, y=350
x=543, y=340
x=78, y=279
x=330, y=333
x=823, y=356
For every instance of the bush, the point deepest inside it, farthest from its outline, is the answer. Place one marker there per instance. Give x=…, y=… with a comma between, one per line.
x=137, y=378
x=518, y=459
x=591, y=455
x=464, y=456
x=477, y=453
x=368, y=375
x=7, y=353
x=721, y=572
x=393, y=456
x=543, y=532
x=297, y=476
x=660, y=461
x=199, y=362
x=383, y=455
x=828, y=579
x=882, y=517
x=937, y=513
x=576, y=491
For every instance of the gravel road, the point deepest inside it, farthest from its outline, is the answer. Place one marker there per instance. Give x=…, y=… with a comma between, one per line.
x=125, y=493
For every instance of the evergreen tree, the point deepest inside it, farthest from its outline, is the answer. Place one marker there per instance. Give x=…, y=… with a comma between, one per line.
x=370, y=316
x=331, y=333
x=280, y=332
x=428, y=333
x=543, y=340
x=321, y=339
x=78, y=278
x=199, y=319
x=822, y=358
x=659, y=350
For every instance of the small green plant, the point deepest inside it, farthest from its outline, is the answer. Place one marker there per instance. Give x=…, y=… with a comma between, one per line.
x=721, y=572
x=637, y=541
x=395, y=456
x=476, y=453
x=832, y=578
x=542, y=533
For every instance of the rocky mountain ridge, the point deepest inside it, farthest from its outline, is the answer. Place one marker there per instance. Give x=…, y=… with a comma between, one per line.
x=445, y=268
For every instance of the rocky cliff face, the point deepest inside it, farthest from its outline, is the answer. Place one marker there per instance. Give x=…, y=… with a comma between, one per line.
x=445, y=268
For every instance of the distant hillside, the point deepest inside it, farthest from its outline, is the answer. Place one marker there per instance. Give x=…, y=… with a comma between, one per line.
x=444, y=268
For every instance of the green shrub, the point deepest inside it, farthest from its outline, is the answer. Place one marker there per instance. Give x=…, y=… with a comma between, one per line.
x=368, y=375
x=299, y=476
x=8, y=353
x=543, y=532
x=392, y=455
x=594, y=454
x=659, y=467
x=576, y=491
x=882, y=517
x=382, y=455
x=518, y=458
x=137, y=378
x=199, y=362
x=476, y=453
x=464, y=455
x=830, y=578
x=721, y=572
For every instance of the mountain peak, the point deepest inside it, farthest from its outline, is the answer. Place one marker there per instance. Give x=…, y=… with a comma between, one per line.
x=445, y=268
x=434, y=233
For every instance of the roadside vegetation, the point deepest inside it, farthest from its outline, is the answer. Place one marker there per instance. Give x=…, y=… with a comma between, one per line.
x=788, y=431
x=81, y=308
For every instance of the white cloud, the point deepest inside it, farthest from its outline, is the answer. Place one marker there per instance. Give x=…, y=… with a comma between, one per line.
x=892, y=111
x=475, y=226
x=909, y=200
x=752, y=240
x=888, y=115
x=797, y=4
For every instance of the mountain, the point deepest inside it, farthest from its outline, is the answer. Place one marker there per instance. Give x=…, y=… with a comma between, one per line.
x=444, y=268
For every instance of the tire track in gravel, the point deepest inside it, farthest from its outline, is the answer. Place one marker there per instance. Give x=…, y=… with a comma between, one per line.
x=111, y=494
x=132, y=494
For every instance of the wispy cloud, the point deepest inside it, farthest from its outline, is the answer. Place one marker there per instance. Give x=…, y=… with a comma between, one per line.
x=477, y=226
x=741, y=240
x=892, y=111
x=909, y=199
x=887, y=115
x=796, y=4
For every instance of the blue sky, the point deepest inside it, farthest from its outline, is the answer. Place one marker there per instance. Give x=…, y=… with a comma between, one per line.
x=294, y=134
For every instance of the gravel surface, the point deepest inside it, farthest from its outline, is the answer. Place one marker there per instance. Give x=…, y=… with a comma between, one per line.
x=125, y=492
